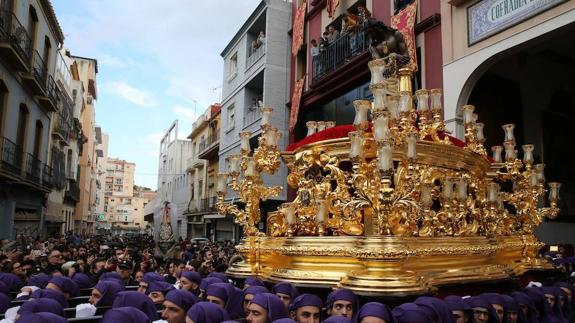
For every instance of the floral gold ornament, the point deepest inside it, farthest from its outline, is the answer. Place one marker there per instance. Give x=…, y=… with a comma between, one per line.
x=397, y=207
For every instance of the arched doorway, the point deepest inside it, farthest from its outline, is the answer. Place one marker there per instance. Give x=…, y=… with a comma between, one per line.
x=532, y=85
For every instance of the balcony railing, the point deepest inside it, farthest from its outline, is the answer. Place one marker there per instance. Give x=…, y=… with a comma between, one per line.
x=208, y=205
x=39, y=69
x=48, y=176
x=12, y=31
x=338, y=53
x=11, y=156
x=255, y=55
x=73, y=192
x=33, y=167
x=62, y=127
x=204, y=144
x=51, y=89
x=252, y=115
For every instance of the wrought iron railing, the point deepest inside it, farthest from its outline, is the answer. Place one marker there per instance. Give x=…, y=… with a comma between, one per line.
x=48, y=176
x=255, y=55
x=204, y=144
x=338, y=53
x=253, y=114
x=33, y=167
x=39, y=69
x=208, y=204
x=12, y=31
x=73, y=192
x=52, y=91
x=11, y=155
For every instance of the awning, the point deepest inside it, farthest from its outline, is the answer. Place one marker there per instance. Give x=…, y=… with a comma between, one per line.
x=214, y=216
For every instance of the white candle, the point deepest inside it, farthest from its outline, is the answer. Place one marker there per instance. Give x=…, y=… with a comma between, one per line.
x=266, y=113
x=361, y=109
x=411, y=140
x=510, y=153
x=468, y=113
x=528, y=153
x=311, y=127
x=497, y=153
x=492, y=192
x=222, y=177
x=508, y=128
x=539, y=169
x=435, y=99
x=533, y=181
x=234, y=163
x=405, y=102
x=378, y=99
x=426, y=199
x=381, y=128
x=479, y=131
x=422, y=100
x=376, y=68
x=554, y=191
x=329, y=124
x=462, y=189
x=385, y=158
x=392, y=106
x=356, y=142
x=250, y=167
x=322, y=210
x=320, y=126
x=447, y=188
x=289, y=211
x=245, y=140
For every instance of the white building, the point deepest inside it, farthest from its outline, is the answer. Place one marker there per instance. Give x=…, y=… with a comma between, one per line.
x=252, y=75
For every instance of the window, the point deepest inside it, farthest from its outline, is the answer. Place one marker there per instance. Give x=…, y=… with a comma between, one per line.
x=233, y=66
x=22, y=126
x=119, y=181
x=32, y=23
x=200, y=187
x=38, y=139
x=3, y=104
x=231, y=119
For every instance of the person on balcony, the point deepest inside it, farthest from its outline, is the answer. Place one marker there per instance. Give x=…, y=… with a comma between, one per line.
x=333, y=34
x=261, y=41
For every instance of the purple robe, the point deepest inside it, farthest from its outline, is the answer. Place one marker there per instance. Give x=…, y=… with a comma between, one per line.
x=43, y=317
x=275, y=307
x=50, y=293
x=374, y=309
x=136, y=300
x=82, y=280
x=439, y=311
x=125, y=315
x=5, y=303
x=207, y=313
x=39, y=280
x=41, y=305
x=13, y=282
x=109, y=290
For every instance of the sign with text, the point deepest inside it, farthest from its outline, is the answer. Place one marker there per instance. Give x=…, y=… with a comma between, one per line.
x=488, y=17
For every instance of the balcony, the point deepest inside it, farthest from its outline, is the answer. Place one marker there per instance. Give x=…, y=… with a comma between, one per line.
x=11, y=156
x=61, y=129
x=203, y=206
x=208, y=149
x=48, y=176
x=253, y=114
x=49, y=100
x=33, y=168
x=73, y=192
x=15, y=43
x=36, y=79
x=255, y=56
x=342, y=50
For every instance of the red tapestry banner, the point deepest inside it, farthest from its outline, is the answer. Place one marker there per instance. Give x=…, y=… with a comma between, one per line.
x=331, y=6
x=295, y=102
x=298, y=27
x=404, y=21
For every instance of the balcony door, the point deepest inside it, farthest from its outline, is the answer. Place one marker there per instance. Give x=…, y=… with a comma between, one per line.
x=32, y=26
x=38, y=139
x=46, y=54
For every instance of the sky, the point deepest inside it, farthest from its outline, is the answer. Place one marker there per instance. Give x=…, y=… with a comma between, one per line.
x=158, y=61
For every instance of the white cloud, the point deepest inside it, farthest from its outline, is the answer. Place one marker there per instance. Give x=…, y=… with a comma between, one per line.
x=188, y=114
x=131, y=94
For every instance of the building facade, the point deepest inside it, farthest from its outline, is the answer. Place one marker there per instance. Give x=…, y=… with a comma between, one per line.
x=339, y=74
x=84, y=214
x=100, y=224
x=118, y=194
x=254, y=75
x=202, y=172
x=29, y=42
x=514, y=61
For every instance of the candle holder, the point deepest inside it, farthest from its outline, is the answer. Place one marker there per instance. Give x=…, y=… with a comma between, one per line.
x=321, y=126
x=311, y=127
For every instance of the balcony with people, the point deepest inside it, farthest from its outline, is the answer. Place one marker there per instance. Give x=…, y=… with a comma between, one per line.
x=15, y=42
x=253, y=100
x=256, y=41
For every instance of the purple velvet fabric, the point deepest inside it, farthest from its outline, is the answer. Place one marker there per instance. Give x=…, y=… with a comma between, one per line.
x=157, y=286
x=375, y=309
x=456, y=303
x=50, y=293
x=410, y=313
x=285, y=288
x=569, y=306
x=153, y=277
x=136, y=300
x=220, y=276
x=39, y=280
x=192, y=276
x=207, y=282
x=66, y=284
x=342, y=294
x=305, y=300
x=13, y=282
x=4, y=289
x=41, y=305
x=522, y=299
x=109, y=290
x=43, y=317
x=337, y=319
x=5, y=303
x=253, y=281
x=275, y=307
x=111, y=276
x=125, y=315
x=253, y=290
x=478, y=301
x=82, y=280
x=206, y=312
x=182, y=298
x=441, y=313
x=228, y=294
x=554, y=314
